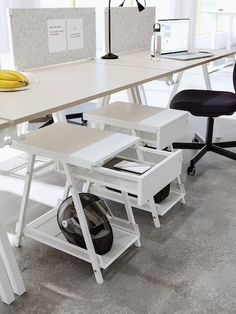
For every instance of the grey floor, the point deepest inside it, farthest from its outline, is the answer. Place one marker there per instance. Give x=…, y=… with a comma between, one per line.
x=186, y=266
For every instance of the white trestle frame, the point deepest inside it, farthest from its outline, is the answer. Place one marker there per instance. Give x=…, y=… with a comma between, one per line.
x=71, y=186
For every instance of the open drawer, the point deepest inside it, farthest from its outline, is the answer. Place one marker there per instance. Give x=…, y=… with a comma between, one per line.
x=165, y=167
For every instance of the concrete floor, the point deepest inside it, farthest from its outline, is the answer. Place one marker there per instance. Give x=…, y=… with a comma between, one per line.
x=186, y=266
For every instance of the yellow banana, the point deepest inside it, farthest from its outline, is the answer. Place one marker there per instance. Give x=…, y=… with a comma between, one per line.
x=11, y=84
x=18, y=75
x=12, y=79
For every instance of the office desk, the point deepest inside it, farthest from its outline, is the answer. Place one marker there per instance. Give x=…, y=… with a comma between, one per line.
x=10, y=277
x=143, y=60
x=63, y=86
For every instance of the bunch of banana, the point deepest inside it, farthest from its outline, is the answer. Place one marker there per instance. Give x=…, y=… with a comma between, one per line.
x=12, y=79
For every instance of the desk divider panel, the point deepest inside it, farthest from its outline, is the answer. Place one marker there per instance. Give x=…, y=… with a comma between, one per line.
x=74, y=38
x=131, y=30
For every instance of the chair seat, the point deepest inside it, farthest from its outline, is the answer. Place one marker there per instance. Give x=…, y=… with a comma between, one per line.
x=205, y=103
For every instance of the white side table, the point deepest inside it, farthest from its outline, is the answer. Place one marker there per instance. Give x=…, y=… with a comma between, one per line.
x=157, y=128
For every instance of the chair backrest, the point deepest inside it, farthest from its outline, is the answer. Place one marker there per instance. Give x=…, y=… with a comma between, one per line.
x=234, y=77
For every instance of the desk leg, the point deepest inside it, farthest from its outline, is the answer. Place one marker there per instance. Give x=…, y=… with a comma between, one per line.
x=23, y=128
x=206, y=77
x=6, y=293
x=104, y=101
x=176, y=87
x=10, y=263
x=59, y=117
x=134, y=95
x=143, y=95
x=24, y=202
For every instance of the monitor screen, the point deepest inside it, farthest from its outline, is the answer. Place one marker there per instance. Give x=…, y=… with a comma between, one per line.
x=174, y=35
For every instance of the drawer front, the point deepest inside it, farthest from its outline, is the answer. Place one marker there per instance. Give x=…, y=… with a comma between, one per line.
x=109, y=178
x=172, y=132
x=167, y=167
x=159, y=176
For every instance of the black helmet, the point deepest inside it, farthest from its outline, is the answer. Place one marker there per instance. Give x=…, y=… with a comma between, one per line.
x=96, y=212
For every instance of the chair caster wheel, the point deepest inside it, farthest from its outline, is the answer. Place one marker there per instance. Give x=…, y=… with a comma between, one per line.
x=84, y=122
x=191, y=171
x=195, y=140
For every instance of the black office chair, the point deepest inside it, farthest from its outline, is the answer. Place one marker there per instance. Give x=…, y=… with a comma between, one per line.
x=211, y=104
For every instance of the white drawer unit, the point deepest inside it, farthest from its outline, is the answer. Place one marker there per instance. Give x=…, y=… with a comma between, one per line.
x=165, y=167
x=141, y=188
x=155, y=126
x=158, y=128
x=87, y=154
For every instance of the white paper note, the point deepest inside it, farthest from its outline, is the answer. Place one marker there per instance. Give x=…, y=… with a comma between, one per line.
x=56, y=35
x=75, y=35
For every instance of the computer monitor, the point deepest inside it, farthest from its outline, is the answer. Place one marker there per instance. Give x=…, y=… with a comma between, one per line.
x=175, y=35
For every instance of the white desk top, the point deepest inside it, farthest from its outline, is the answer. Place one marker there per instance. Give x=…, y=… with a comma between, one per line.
x=134, y=116
x=64, y=86
x=142, y=59
x=76, y=145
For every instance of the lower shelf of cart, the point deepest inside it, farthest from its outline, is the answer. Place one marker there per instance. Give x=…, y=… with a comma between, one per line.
x=45, y=230
x=176, y=194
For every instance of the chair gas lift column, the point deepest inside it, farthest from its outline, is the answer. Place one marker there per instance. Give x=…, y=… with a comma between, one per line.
x=87, y=155
x=157, y=128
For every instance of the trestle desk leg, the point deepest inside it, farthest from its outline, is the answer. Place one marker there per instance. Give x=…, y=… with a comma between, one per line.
x=6, y=292
x=25, y=199
x=59, y=117
x=134, y=95
x=84, y=225
x=206, y=77
x=143, y=95
x=176, y=87
x=10, y=263
x=104, y=101
x=23, y=128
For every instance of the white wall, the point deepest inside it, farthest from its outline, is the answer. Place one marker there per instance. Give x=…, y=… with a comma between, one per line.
x=4, y=43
